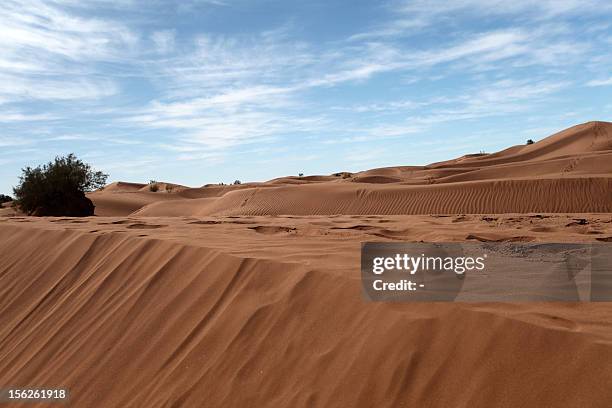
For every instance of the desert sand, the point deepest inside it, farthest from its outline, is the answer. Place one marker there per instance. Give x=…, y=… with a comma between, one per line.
x=552, y=175
x=250, y=295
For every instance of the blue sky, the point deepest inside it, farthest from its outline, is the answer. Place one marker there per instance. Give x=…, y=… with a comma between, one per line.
x=197, y=92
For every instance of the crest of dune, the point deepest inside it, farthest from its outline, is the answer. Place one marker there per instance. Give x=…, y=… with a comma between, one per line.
x=551, y=175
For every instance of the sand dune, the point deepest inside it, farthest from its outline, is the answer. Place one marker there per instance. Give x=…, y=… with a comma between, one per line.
x=261, y=311
x=501, y=196
x=122, y=186
x=570, y=171
x=250, y=295
x=126, y=202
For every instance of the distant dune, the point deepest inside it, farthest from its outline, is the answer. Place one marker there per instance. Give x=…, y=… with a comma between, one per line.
x=570, y=171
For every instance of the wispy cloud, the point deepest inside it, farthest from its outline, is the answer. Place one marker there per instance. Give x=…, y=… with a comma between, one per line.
x=600, y=82
x=396, y=28
x=17, y=116
x=48, y=53
x=526, y=8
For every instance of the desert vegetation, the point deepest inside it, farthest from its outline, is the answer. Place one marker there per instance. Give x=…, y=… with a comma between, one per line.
x=58, y=188
x=153, y=186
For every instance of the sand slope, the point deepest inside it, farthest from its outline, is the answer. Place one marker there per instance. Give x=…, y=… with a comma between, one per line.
x=124, y=198
x=191, y=297
x=267, y=312
x=500, y=196
x=570, y=171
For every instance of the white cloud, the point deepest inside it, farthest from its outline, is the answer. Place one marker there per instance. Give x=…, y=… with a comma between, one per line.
x=492, y=46
x=217, y=63
x=48, y=53
x=540, y=9
x=399, y=27
x=230, y=99
x=600, y=82
x=35, y=28
x=43, y=87
x=17, y=116
x=411, y=17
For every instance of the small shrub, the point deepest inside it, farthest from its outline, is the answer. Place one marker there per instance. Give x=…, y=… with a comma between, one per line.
x=58, y=188
x=301, y=175
x=236, y=182
x=153, y=186
x=530, y=142
x=5, y=199
x=343, y=174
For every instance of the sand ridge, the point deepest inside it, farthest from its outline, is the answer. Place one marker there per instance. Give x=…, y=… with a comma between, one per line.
x=267, y=311
x=554, y=174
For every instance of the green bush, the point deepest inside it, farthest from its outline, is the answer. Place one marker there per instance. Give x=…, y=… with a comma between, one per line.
x=58, y=188
x=5, y=199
